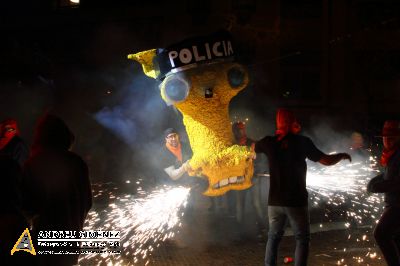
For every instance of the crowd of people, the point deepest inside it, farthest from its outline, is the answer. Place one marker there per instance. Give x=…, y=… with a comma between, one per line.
x=47, y=186
x=287, y=151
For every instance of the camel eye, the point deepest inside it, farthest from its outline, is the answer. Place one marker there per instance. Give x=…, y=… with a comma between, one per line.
x=176, y=89
x=236, y=77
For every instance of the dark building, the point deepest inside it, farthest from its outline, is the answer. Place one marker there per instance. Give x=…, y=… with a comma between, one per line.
x=335, y=59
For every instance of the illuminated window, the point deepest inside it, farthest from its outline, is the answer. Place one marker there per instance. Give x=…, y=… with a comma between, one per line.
x=68, y=3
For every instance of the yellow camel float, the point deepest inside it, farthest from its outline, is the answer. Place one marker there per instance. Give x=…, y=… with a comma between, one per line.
x=200, y=79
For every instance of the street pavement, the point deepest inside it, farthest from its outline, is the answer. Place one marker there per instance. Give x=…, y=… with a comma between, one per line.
x=219, y=240
x=327, y=248
x=215, y=237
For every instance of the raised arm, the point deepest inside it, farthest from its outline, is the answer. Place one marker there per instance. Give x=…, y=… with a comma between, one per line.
x=331, y=159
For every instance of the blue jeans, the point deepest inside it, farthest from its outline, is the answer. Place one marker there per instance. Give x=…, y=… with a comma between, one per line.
x=299, y=220
x=386, y=234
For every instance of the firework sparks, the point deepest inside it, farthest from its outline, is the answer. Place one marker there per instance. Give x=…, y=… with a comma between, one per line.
x=144, y=220
x=345, y=185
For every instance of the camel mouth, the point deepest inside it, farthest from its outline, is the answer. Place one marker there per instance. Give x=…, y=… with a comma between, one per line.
x=229, y=181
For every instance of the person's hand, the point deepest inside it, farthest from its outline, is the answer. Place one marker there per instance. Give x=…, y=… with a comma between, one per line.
x=186, y=166
x=252, y=154
x=345, y=156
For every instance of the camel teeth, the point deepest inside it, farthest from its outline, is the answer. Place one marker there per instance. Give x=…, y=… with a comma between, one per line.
x=229, y=181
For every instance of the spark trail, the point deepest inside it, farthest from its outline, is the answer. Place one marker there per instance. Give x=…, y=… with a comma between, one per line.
x=144, y=220
x=345, y=184
x=341, y=190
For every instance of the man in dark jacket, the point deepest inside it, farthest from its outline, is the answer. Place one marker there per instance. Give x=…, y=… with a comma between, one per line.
x=287, y=152
x=11, y=144
x=56, y=186
x=173, y=161
x=174, y=157
x=388, y=226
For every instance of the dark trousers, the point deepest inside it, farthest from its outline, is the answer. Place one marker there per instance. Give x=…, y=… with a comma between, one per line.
x=299, y=220
x=236, y=203
x=387, y=229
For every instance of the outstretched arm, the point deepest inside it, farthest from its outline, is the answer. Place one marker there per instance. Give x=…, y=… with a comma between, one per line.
x=331, y=159
x=177, y=173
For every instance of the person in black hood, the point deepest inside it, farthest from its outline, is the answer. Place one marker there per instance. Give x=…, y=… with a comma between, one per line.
x=12, y=222
x=56, y=187
x=241, y=138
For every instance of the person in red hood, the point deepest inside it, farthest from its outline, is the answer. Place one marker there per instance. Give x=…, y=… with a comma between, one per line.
x=241, y=138
x=56, y=188
x=388, y=183
x=287, y=152
x=11, y=144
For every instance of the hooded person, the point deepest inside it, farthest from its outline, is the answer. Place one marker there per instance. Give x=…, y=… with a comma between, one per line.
x=11, y=144
x=286, y=123
x=240, y=135
x=241, y=138
x=236, y=198
x=287, y=152
x=388, y=183
x=12, y=221
x=56, y=186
